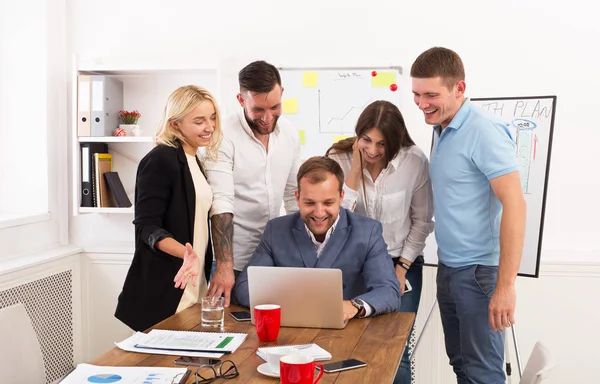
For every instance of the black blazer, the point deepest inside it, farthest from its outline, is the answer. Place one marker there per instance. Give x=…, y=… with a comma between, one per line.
x=165, y=206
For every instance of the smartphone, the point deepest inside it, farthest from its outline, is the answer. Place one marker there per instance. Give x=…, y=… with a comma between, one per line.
x=195, y=361
x=343, y=365
x=241, y=315
x=407, y=286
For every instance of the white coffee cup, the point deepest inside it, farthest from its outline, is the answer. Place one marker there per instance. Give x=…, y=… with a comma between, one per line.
x=275, y=355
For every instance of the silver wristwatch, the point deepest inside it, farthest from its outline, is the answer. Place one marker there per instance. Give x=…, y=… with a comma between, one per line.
x=358, y=304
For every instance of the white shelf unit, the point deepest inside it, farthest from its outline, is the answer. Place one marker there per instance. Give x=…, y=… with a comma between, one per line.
x=116, y=139
x=147, y=83
x=105, y=210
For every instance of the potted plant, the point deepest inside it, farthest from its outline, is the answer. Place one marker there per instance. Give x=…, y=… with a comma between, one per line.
x=129, y=121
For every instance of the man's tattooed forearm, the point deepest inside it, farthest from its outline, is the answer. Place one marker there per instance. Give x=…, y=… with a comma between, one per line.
x=222, y=234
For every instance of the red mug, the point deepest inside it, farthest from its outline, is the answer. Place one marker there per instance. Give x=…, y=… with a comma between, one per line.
x=267, y=318
x=299, y=369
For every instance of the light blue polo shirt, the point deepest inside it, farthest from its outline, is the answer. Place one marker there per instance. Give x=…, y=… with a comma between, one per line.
x=473, y=149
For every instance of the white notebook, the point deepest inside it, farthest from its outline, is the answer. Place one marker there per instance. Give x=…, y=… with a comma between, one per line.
x=312, y=350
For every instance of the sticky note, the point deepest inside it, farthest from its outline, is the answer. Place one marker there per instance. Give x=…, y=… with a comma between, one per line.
x=290, y=105
x=338, y=138
x=302, y=137
x=383, y=79
x=310, y=79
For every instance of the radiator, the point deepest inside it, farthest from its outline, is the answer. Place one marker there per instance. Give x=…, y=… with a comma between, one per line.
x=49, y=304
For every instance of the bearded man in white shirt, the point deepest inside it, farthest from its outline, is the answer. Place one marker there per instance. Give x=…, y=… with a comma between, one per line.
x=255, y=173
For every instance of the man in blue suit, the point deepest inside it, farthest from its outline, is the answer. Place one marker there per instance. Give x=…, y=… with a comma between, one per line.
x=324, y=235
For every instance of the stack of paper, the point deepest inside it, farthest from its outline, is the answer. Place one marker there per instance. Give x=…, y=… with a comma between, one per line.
x=87, y=373
x=312, y=350
x=183, y=343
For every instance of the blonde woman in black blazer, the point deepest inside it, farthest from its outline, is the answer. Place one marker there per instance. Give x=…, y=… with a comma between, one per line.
x=172, y=202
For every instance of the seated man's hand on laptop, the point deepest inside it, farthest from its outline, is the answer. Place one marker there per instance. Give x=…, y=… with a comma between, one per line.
x=349, y=310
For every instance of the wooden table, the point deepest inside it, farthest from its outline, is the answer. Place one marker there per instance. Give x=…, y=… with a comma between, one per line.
x=378, y=341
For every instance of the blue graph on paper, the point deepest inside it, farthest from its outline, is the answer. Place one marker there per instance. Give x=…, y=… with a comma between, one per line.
x=105, y=378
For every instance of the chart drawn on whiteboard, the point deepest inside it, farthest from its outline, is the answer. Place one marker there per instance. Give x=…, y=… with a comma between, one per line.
x=344, y=123
x=523, y=128
x=324, y=104
x=342, y=100
x=526, y=145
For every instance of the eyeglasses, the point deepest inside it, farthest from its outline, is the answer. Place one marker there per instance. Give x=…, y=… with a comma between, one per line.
x=225, y=369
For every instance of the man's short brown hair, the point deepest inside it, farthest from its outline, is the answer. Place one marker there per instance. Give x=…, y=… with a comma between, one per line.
x=316, y=168
x=439, y=62
x=259, y=77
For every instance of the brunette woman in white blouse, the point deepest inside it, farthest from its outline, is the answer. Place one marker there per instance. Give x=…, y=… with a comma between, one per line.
x=387, y=179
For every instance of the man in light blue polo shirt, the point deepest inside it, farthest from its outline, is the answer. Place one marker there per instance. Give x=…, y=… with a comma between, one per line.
x=479, y=218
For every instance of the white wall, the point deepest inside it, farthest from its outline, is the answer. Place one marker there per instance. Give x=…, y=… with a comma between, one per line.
x=510, y=48
x=535, y=48
x=103, y=276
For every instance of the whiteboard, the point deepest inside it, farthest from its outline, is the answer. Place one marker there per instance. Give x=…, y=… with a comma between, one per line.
x=531, y=122
x=324, y=104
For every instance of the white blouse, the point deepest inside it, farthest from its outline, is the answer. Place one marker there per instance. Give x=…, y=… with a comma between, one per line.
x=192, y=295
x=400, y=198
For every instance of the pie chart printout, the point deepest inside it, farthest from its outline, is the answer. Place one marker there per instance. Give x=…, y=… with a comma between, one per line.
x=105, y=378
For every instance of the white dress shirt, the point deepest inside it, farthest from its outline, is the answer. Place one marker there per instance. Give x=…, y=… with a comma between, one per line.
x=251, y=182
x=400, y=198
x=319, y=246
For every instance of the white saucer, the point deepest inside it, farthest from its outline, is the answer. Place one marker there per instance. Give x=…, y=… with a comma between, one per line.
x=264, y=369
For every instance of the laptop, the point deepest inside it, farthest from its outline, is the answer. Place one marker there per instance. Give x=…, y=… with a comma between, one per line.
x=309, y=297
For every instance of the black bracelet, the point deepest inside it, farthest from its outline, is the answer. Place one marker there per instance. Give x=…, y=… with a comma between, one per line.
x=402, y=264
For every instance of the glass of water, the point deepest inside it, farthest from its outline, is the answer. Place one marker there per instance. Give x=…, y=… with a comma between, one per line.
x=213, y=311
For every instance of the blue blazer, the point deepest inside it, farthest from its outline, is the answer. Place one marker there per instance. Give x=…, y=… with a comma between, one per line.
x=356, y=246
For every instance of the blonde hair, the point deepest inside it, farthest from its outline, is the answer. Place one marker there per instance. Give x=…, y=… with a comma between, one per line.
x=181, y=102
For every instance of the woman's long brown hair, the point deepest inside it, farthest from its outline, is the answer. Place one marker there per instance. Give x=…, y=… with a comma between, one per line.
x=385, y=116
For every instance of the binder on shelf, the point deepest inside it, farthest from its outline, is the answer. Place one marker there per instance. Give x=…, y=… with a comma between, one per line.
x=117, y=189
x=107, y=101
x=104, y=196
x=87, y=171
x=84, y=96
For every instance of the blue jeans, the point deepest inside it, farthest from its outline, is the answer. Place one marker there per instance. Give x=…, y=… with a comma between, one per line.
x=475, y=350
x=410, y=303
